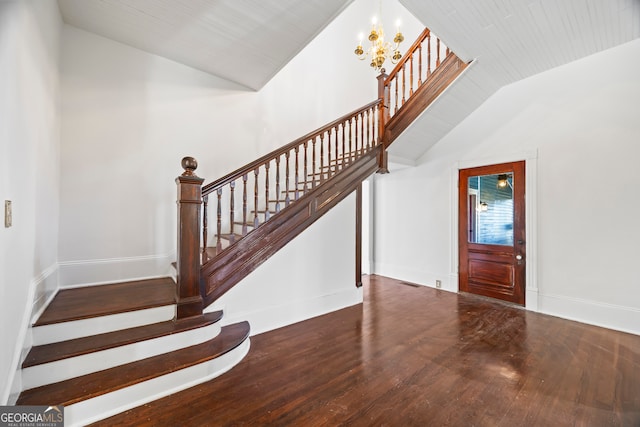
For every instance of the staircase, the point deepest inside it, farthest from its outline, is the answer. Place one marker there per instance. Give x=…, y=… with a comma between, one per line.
x=100, y=350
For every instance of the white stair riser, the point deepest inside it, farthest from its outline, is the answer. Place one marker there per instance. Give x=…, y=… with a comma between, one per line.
x=47, y=334
x=106, y=405
x=61, y=370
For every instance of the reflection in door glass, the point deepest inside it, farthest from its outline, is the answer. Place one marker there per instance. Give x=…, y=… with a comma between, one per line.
x=490, y=201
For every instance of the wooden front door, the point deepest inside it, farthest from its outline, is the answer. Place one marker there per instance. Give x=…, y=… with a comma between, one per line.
x=491, y=231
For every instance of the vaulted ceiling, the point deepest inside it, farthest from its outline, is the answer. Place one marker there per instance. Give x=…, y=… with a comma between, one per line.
x=507, y=40
x=244, y=41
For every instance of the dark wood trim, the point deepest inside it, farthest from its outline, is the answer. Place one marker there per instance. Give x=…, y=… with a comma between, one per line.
x=466, y=249
x=409, y=53
x=188, y=298
x=228, y=268
x=359, y=235
x=249, y=168
x=439, y=80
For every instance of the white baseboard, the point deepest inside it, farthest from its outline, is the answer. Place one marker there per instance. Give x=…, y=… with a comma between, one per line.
x=41, y=290
x=275, y=317
x=621, y=318
x=417, y=276
x=100, y=271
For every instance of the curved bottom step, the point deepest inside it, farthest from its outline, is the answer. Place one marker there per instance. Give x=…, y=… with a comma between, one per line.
x=102, y=394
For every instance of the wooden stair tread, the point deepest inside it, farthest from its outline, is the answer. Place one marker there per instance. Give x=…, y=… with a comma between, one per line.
x=231, y=237
x=99, y=383
x=101, y=300
x=240, y=223
x=61, y=350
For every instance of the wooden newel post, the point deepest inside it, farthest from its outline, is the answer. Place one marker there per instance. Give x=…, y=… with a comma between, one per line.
x=383, y=119
x=189, y=298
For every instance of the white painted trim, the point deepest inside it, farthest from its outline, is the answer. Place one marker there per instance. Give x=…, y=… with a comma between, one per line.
x=530, y=157
x=417, y=276
x=113, y=282
x=270, y=318
x=621, y=318
x=13, y=386
x=56, y=332
x=101, y=407
x=60, y=370
x=113, y=270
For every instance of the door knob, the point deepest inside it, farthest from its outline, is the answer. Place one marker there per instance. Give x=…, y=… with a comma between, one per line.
x=518, y=257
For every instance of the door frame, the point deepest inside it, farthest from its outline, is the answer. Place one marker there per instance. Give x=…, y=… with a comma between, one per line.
x=530, y=158
x=493, y=259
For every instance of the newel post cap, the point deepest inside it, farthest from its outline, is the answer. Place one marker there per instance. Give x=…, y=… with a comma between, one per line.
x=189, y=164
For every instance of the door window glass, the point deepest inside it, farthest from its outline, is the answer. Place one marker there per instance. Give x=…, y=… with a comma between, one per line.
x=491, y=209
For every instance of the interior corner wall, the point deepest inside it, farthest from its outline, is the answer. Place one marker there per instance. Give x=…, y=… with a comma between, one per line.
x=582, y=120
x=128, y=118
x=29, y=172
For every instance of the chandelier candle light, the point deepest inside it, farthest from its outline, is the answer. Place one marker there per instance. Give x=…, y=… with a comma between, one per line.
x=380, y=50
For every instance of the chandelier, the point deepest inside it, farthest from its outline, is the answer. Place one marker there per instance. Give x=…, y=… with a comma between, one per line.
x=380, y=49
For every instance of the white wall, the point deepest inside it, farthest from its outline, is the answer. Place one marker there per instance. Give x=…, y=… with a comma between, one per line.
x=310, y=276
x=29, y=170
x=582, y=121
x=128, y=117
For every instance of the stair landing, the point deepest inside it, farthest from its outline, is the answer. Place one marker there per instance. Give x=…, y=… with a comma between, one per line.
x=94, y=301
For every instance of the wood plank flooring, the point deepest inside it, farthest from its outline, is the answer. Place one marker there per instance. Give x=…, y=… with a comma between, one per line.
x=417, y=356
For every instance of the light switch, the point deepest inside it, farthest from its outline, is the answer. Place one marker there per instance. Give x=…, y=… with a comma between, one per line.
x=7, y=214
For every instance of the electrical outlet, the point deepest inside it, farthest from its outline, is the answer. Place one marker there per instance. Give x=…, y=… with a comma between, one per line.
x=438, y=284
x=8, y=220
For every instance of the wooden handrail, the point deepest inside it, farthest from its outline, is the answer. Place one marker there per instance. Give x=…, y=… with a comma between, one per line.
x=409, y=53
x=250, y=167
x=400, y=88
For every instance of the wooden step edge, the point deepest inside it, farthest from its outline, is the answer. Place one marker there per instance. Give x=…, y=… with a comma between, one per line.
x=82, y=388
x=59, y=312
x=47, y=353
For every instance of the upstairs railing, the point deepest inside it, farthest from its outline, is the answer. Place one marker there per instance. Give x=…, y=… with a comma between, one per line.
x=276, y=196
x=424, y=71
x=247, y=198
x=416, y=66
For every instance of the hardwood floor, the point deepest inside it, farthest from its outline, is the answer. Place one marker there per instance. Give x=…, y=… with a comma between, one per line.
x=418, y=356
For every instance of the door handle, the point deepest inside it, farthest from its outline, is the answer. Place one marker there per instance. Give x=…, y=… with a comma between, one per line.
x=518, y=257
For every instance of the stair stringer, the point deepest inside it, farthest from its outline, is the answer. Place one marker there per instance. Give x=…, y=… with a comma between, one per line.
x=228, y=268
